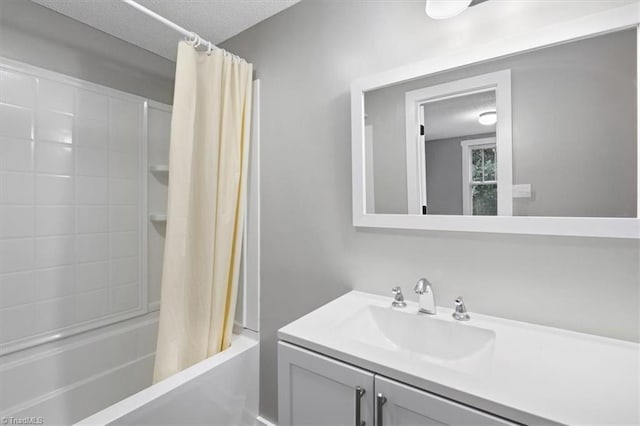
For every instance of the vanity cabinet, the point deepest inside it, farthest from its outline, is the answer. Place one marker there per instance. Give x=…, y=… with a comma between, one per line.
x=316, y=390
x=400, y=405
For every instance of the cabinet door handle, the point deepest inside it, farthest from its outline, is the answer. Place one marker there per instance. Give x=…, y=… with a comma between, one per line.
x=380, y=401
x=359, y=394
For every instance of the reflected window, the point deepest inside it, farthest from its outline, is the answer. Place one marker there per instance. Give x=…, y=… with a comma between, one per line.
x=480, y=190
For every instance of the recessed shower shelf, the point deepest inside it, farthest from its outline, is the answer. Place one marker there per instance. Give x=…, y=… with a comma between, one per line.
x=159, y=168
x=158, y=217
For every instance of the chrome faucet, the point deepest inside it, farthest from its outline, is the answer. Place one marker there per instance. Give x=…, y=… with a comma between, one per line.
x=460, y=312
x=398, y=298
x=427, y=302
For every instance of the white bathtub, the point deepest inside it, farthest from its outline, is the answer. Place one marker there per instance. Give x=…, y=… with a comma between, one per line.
x=221, y=390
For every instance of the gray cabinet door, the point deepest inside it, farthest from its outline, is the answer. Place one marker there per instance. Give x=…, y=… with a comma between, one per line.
x=408, y=406
x=316, y=390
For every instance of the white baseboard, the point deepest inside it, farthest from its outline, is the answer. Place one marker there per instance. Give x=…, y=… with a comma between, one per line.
x=261, y=421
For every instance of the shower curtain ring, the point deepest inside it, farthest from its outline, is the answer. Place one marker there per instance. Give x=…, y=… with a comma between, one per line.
x=209, y=49
x=191, y=39
x=198, y=41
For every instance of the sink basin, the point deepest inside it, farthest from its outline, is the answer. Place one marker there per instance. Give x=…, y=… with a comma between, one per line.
x=504, y=364
x=418, y=334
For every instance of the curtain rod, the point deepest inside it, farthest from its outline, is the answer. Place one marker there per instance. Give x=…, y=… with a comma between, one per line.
x=193, y=38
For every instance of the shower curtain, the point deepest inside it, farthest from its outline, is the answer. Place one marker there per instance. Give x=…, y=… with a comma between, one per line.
x=207, y=183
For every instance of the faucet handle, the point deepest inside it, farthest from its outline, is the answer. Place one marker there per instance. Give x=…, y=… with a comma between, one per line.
x=398, y=298
x=460, y=312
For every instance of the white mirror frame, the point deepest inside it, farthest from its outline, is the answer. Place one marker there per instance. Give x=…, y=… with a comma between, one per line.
x=620, y=18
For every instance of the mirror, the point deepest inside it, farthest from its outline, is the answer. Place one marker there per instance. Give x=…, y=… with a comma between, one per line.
x=549, y=132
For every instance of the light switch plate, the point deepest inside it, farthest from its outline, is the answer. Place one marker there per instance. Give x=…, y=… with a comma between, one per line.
x=522, y=191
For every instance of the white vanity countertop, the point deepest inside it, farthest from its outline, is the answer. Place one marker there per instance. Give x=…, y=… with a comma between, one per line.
x=532, y=374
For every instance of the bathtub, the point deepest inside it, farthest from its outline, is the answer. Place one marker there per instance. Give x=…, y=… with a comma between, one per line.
x=221, y=390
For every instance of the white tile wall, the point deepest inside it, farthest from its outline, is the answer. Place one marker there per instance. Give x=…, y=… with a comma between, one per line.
x=123, y=244
x=92, y=305
x=95, y=275
x=124, y=271
x=17, y=288
x=54, y=158
x=92, y=133
x=55, y=251
x=70, y=205
x=17, y=322
x=54, y=126
x=16, y=188
x=95, y=247
x=17, y=255
x=55, y=96
x=124, y=298
x=54, y=313
x=55, y=282
x=16, y=122
x=91, y=219
x=16, y=154
x=17, y=89
x=16, y=221
x=54, y=220
x=93, y=105
x=54, y=189
x=123, y=191
x=92, y=162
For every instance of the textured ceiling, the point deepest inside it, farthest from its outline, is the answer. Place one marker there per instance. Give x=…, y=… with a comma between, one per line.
x=214, y=20
x=455, y=117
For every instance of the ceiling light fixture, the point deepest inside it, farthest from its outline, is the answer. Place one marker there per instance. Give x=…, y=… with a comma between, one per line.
x=443, y=9
x=488, y=118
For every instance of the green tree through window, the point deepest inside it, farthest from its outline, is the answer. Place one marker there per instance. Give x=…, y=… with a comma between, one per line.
x=484, y=185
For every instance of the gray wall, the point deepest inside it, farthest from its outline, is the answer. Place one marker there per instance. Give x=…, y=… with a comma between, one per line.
x=38, y=36
x=306, y=58
x=444, y=174
x=574, y=128
x=387, y=119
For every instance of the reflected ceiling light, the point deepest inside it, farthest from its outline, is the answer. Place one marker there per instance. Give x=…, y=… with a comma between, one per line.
x=443, y=9
x=488, y=118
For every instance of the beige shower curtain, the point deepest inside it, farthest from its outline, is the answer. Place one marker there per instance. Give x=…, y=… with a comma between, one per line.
x=207, y=182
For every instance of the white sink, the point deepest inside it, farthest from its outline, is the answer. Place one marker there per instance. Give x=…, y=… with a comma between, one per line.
x=498, y=365
x=444, y=342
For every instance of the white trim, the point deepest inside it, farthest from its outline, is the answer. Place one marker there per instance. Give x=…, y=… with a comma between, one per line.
x=143, y=212
x=527, y=225
x=500, y=82
x=466, y=169
x=142, y=308
x=615, y=19
x=370, y=184
x=251, y=247
x=159, y=106
x=261, y=421
x=421, y=155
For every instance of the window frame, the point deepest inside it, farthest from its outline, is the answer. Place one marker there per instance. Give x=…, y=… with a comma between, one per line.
x=468, y=146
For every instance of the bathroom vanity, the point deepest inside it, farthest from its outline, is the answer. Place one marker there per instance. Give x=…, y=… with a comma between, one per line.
x=357, y=360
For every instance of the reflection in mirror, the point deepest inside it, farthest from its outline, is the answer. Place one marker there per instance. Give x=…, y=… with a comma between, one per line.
x=572, y=126
x=460, y=161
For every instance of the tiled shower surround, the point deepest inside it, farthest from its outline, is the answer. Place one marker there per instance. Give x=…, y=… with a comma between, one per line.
x=71, y=178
